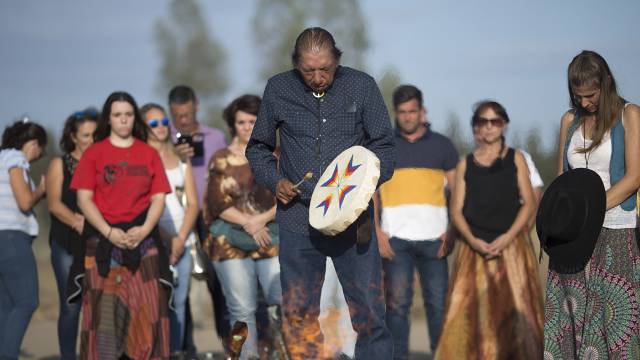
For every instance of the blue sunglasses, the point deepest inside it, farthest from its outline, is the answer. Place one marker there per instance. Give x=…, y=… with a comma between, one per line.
x=87, y=113
x=154, y=122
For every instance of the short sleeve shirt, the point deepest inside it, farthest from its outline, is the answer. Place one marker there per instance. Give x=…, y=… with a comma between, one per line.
x=414, y=205
x=11, y=217
x=122, y=179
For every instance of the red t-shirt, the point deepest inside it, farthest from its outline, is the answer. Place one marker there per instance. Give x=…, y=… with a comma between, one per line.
x=122, y=179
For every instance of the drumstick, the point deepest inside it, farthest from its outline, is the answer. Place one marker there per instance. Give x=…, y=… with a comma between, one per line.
x=306, y=177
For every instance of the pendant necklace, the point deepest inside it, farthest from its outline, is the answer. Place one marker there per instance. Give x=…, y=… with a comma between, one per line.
x=318, y=94
x=584, y=145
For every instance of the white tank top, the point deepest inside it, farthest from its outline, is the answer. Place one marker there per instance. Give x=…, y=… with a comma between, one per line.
x=598, y=161
x=173, y=214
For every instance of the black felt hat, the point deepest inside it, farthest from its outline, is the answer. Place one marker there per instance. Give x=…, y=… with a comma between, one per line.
x=570, y=218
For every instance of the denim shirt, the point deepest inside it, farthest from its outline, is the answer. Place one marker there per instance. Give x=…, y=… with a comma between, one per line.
x=312, y=132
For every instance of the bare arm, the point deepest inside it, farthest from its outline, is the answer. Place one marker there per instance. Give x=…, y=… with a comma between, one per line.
x=526, y=196
x=384, y=247
x=235, y=216
x=449, y=235
x=135, y=235
x=631, y=179
x=524, y=213
x=54, y=180
x=25, y=198
x=191, y=209
x=95, y=218
x=566, y=120
x=457, y=203
x=153, y=214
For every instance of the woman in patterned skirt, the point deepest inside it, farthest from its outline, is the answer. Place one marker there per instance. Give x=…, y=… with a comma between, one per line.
x=121, y=187
x=494, y=306
x=594, y=312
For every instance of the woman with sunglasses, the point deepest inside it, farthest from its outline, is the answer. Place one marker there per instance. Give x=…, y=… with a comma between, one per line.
x=23, y=142
x=601, y=132
x=67, y=222
x=494, y=307
x=178, y=218
x=127, y=285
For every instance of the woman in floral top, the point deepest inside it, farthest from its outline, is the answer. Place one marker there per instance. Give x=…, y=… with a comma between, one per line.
x=242, y=243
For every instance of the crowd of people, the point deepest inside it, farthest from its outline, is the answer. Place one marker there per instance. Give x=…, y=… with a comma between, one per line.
x=141, y=195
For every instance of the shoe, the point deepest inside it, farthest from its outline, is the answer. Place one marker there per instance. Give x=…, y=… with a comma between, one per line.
x=237, y=337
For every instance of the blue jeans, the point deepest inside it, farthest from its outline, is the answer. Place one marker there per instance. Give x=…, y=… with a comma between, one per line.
x=358, y=266
x=18, y=290
x=240, y=279
x=180, y=293
x=61, y=261
x=398, y=280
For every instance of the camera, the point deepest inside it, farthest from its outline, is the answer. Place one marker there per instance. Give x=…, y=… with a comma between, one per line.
x=196, y=141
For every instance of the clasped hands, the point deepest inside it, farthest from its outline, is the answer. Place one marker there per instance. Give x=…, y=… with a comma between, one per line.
x=256, y=226
x=493, y=249
x=126, y=240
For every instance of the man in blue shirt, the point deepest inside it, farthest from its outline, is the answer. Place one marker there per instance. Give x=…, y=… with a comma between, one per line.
x=320, y=109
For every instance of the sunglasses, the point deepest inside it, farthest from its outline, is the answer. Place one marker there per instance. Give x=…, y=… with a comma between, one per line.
x=154, y=122
x=87, y=113
x=495, y=122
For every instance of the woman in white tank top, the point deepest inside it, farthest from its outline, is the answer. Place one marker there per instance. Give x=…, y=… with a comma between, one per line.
x=595, y=313
x=177, y=220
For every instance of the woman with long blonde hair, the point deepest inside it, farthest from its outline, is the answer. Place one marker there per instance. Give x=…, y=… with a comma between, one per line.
x=594, y=312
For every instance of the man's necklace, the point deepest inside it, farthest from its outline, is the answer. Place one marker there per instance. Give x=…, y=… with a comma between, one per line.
x=318, y=94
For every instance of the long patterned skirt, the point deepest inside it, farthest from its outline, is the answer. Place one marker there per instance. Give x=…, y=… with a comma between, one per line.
x=494, y=307
x=595, y=314
x=125, y=313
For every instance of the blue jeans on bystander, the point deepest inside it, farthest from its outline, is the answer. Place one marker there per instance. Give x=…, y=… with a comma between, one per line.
x=398, y=279
x=18, y=290
x=177, y=317
x=69, y=314
x=240, y=279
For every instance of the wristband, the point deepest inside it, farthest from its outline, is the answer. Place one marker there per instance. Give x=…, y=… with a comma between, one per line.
x=109, y=233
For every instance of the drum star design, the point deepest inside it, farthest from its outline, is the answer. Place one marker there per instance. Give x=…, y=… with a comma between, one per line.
x=338, y=184
x=344, y=190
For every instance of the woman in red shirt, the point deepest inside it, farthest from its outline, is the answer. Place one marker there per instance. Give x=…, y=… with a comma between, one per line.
x=121, y=185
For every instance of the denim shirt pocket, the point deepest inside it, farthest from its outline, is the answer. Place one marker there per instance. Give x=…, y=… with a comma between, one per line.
x=346, y=122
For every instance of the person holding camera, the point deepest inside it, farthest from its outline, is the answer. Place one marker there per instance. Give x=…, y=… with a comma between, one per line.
x=197, y=142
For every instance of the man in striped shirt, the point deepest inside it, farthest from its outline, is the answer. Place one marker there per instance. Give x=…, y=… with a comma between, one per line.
x=413, y=221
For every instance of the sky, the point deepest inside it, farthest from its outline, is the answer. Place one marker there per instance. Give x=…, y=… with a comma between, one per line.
x=61, y=56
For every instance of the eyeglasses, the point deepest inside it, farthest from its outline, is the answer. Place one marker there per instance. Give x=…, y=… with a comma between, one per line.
x=154, y=122
x=87, y=113
x=495, y=122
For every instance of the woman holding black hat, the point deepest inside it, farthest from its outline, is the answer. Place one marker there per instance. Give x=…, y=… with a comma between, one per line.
x=494, y=307
x=593, y=298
